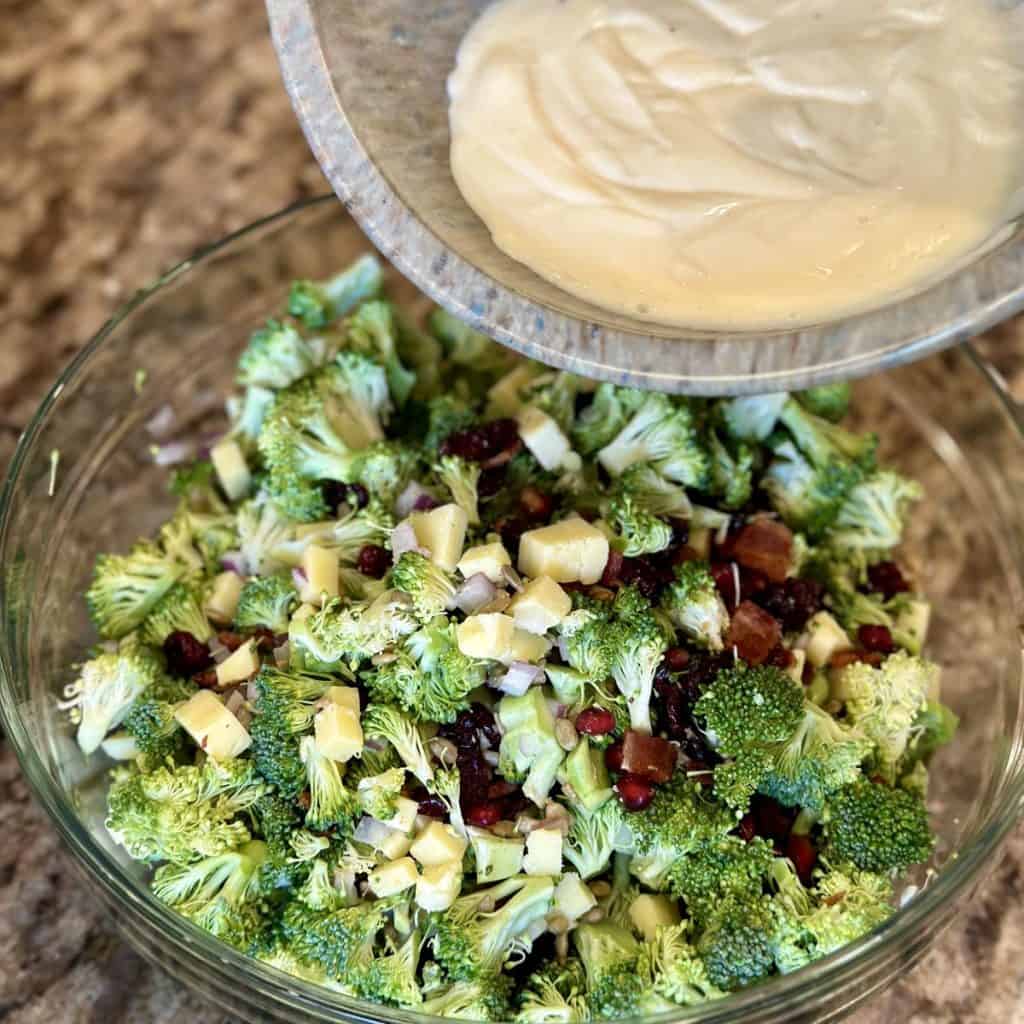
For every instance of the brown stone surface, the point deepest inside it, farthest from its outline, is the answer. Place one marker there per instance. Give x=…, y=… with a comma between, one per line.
x=133, y=133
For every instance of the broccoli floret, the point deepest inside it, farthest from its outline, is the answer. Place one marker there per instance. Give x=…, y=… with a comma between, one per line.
x=386, y=722
x=385, y=469
x=277, y=355
x=823, y=442
x=732, y=472
x=487, y=998
x=554, y=393
x=736, y=946
x=470, y=349
x=372, y=331
x=177, y=541
x=447, y=784
x=694, y=605
x=593, y=838
x=262, y=530
x=829, y=401
x=461, y=478
x=611, y=957
x=751, y=417
x=884, y=703
x=126, y=588
x=849, y=903
x=220, y=894
x=102, y=695
x=870, y=519
x=184, y=812
x=390, y=977
x=554, y=994
x=371, y=762
x=446, y=415
x=246, y=415
x=677, y=971
x=334, y=938
x=266, y=601
x=482, y=930
x=587, y=640
x=877, y=828
x=430, y=677
x=530, y=752
x=278, y=823
x=317, y=304
x=178, y=610
x=605, y=416
x=331, y=803
x=639, y=643
x=650, y=489
x=429, y=586
x=151, y=722
x=357, y=394
x=378, y=794
x=934, y=727
x=346, y=536
x=640, y=531
x=661, y=432
x=195, y=483
x=284, y=708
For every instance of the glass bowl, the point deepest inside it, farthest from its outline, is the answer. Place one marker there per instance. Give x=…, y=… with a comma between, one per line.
x=945, y=421
x=367, y=82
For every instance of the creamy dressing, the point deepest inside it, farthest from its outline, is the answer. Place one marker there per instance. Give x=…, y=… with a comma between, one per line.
x=739, y=163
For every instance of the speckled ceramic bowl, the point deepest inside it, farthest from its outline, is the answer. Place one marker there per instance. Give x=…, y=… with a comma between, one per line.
x=367, y=81
x=945, y=421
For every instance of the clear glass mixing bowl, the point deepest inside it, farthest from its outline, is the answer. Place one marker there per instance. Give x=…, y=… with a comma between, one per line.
x=367, y=81
x=945, y=421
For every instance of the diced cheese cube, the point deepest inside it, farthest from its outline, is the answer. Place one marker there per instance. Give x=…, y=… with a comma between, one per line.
x=543, y=852
x=395, y=844
x=321, y=568
x=214, y=728
x=232, y=471
x=497, y=858
x=795, y=671
x=822, y=638
x=346, y=696
x=541, y=605
x=393, y=877
x=442, y=531
x=488, y=559
x=568, y=551
x=338, y=732
x=404, y=818
x=573, y=896
x=525, y=647
x=120, y=746
x=303, y=612
x=222, y=603
x=700, y=541
x=485, y=636
x=649, y=913
x=439, y=886
x=438, y=843
x=543, y=436
x=503, y=397
x=239, y=665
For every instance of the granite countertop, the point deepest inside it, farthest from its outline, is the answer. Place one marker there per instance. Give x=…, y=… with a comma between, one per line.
x=135, y=132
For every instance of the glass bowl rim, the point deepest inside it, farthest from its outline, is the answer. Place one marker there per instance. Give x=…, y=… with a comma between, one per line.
x=293, y=994
x=953, y=308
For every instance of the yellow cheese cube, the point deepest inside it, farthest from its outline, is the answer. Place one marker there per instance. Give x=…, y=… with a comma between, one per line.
x=649, y=913
x=346, y=696
x=393, y=877
x=525, y=647
x=442, y=531
x=700, y=541
x=321, y=568
x=822, y=638
x=303, y=612
x=339, y=734
x=543, y=436
x=573, y=897
x=568, y=551
x=222, y=603
x=485, y=636
x=439, y=886
x=437, y=844
x=120, y=746
x=238, y=666
x=541, y=605
x=503, y=397
x=232, y=471
x=404, y=818
x=395, y=844
x=795, y=671
x=497, y=858
x=543, y=852
x=214, y=728
x=488, y=559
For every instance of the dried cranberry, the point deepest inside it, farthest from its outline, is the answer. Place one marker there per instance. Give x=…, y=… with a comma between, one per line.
x=595, y=722
x=876, y=638
x=725, y=580
x=612, y=575
x=484, y=442
x=424, y=503
x=491, y=482
x=373, y=560
x=185, y=654
x=483, y=815
x=431, y=805
x=694, y=746
x=357, y=496
x=483, y=719
x=685, y=554
x=644, y=575
x=885, y=578
x=475, y=777
x=334, y=493
x=231, y=640
x=635, y=793
x=800, y=850
x=680, y=532
x=500, y=789
x=747, y=828
x=304, y=799
x=843, y=658
x=613, y=757
x=773, y=820
x=535, y=504
x=752, y=582
x=677, y=658
x=792, y=602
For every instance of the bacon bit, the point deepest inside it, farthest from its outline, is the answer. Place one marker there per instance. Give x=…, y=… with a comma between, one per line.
x=535, y=504
x=232, y=641
x=764, y=545
x=754, y=633
x=843, y=658
x=648, y=757
x=503, y=457
x=207, y=679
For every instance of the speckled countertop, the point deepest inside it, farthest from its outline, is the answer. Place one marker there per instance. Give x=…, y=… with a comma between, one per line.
x=133, y=133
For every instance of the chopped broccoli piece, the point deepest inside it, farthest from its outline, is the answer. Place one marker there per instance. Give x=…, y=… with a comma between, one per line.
x=611, y=957
x=829, y=401
x=639, y=643
x=331, y=803
x=461, y=478
x=178, y=610
x=732, y=472
x=429, y=586
x=870, y=519
x=554, y=994
x=151, y=722
x=266, y=601
x=277, y=355
x=641, y=532
x=386, y=722
x=605, y=417
x=317, y=304
x=751, y=417
x=694, y=605
x=677, y=971
x=372, y=331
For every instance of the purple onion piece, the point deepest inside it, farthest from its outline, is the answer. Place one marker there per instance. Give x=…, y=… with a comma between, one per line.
x=406, y=501
x=474, y=593
x=521, y=675
x=162, y=423
x=173, y=453
x=403, y=538
x=234, y=561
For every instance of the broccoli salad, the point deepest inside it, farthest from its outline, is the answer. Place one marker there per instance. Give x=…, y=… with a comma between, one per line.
x=460, y=684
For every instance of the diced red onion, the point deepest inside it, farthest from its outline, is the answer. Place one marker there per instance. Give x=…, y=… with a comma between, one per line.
x=521, y=675
x=512, y=578
x=474, y=593
x=403, y=538
x=218, y=651
x=233, y=561
x=173, y=453
x=299, y=578
x=282, y=655
x=235, y=701
x=162, y=423
x=406, y=501
x=371, y=831
x=251, y=691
